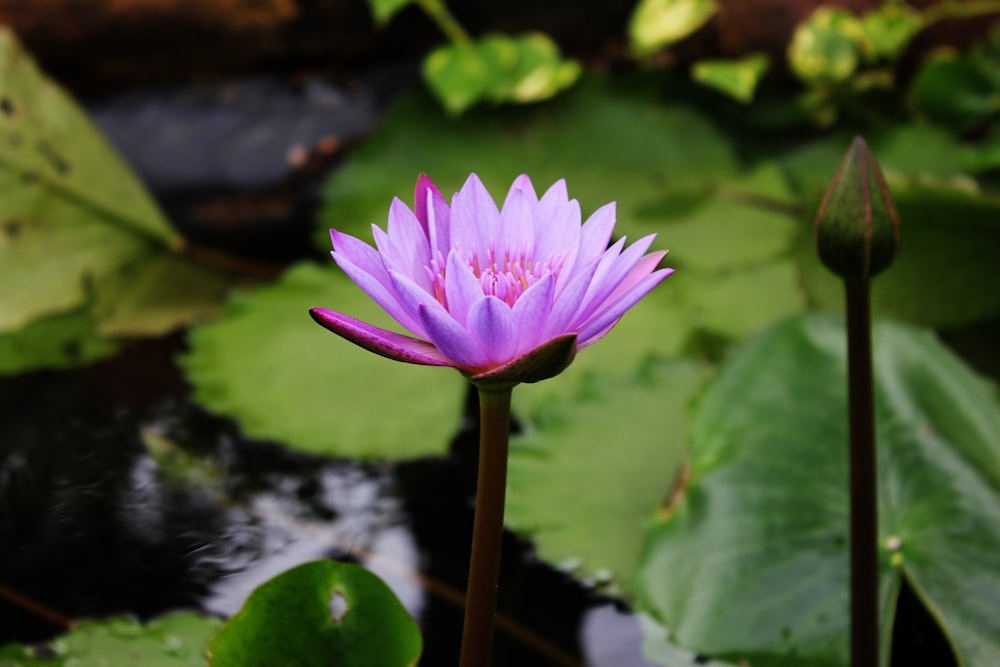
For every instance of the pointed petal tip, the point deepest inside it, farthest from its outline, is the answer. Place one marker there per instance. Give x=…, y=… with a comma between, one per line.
x=380, y=341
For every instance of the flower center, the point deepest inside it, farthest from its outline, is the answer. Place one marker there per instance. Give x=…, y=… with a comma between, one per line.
x=505, y=276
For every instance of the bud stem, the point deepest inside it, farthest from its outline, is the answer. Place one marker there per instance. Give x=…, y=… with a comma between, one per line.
x=487, y=529
x=863, y=479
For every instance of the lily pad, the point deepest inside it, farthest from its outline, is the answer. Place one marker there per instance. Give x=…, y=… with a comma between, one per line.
x=319, y=613
x=266, y=363
x=73, y=210
x=176, y=640
x=58, y=341
x=74, y=216
x=750, y=562
x=588, y=472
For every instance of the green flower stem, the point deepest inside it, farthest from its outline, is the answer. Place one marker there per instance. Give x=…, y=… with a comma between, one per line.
x=864, y=489
x=439, y=13
x=487, y=529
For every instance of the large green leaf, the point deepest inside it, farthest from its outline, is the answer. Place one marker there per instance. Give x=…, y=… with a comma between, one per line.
x=587, y=473
x=59, y=341
x=76, y=226
x=72, y=210
x=319, y=613
x=265, y=362
x=177, y=640
x=751, y=562
x=152, y=294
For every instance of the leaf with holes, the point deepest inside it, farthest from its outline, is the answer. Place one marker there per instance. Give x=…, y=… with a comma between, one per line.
x=319, y=613
x=750, y=561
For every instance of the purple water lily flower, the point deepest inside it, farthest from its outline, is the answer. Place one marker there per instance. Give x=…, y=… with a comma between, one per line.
x=511, y=293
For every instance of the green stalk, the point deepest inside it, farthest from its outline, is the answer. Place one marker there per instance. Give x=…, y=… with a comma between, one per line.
x=439, y=13
x=487, y=529
x=863, y=483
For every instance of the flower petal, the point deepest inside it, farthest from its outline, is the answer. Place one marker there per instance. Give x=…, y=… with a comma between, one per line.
x=491, y=322
x=432, y=211
x=557, y=233
x=386, y=343
x=461, y=286
x=522, y=183
x=605, y=265
x=423, y=192
x=610, y=274
x=517, y=222
x=411, y=295
x=602, y=321
x=387, y=297
x=404, y=247
x=567, y=303
x=640, y=270
x=596, y=232
x=475, y=219
x=452, y=340
x=531, y=309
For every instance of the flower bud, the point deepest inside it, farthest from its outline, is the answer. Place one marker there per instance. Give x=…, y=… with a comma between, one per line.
x=857, y=230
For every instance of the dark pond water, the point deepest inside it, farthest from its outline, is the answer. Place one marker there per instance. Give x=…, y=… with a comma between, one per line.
x=117, y=495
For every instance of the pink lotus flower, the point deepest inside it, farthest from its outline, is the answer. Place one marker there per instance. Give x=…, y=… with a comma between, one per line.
x=505, y=295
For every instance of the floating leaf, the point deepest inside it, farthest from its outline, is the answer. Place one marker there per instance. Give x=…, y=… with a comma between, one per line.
x=658, y=23
x=827, y=47
x=458, y=75
x=72, y=211
x=736, y=78
x=955, y=90
x=658, y=648
x=501, y=68
x=265, y=362
x=889, y=28
x=530, y=67
x=588, y=472
x=73, y=215
x=58, y=341
x=148, y=296
x=176, y=640
x=319, y=613
x=751, y=561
